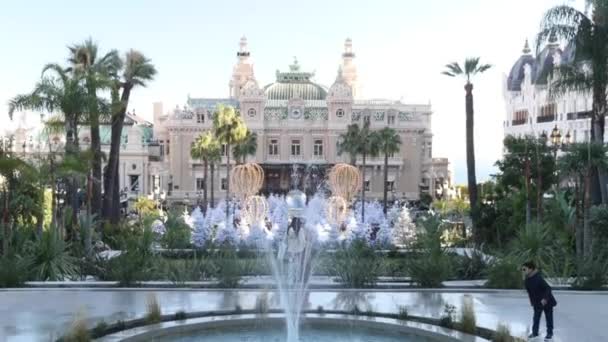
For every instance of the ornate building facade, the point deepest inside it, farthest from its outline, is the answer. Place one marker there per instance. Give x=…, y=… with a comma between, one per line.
x=531, y=109
x=297, y=121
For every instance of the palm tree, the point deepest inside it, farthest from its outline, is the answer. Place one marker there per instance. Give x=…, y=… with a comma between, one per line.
x=245, y=148
x=349, y=143
x=472, y=67
x=355, y=141
x=62, y=93
x=213, y=158
x=578, y=162
x=137, y=71
x=98, y=74
x=387, y=141
x=207, y=149
x=588, y=72
x=230, y=130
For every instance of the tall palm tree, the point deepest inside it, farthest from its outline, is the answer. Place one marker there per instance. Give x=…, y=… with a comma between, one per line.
x=472, y=67
x=247, y=147
x=207, y=149
x=213, y=158
x=388, y=142
x=229, y=129
x=578, y=162
x=61, y=93
x=137, y=71
x=98, y=74
x=359, y=140
x=348, y=142
x=588, y=72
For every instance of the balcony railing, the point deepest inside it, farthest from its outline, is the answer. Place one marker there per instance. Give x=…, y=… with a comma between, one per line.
x=545, y=118
x=519, y=122
x=579, y=115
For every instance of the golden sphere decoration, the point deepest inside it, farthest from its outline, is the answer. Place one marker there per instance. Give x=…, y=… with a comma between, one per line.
x=344, y=181
x=246, y=179
x=337, y=208
x=255, y=208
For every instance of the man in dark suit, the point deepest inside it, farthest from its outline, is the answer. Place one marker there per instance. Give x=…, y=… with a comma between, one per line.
x=541, y=299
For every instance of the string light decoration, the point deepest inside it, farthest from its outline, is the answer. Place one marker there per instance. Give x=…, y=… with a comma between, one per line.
x=337, y=208
x=246, y=180
x=344, y=181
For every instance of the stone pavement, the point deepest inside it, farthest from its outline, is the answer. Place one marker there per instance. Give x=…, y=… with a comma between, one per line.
x=41, y=314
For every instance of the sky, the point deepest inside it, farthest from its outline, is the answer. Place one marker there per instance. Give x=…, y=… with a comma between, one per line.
x=401, y=48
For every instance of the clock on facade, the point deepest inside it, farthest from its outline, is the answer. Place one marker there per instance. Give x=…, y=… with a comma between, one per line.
x=296, y=113
x=251, y=112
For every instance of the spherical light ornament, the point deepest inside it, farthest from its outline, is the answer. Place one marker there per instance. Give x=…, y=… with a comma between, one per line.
x=337, y=208
x=344, y=181
x=296, y=203
x=247, y=179
x=255, y=209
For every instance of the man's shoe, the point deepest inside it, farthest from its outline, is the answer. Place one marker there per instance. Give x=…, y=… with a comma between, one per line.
x=549, y=338
x=532, y=336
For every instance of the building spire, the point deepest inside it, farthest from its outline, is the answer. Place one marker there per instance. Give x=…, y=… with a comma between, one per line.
x=348, y=49
x=243, y=52
x=526, y=50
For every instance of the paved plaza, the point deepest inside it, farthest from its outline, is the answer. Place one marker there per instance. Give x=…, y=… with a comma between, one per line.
x=40, y=315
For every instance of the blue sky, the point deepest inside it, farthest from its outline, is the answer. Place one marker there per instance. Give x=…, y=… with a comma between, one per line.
x=401, y=48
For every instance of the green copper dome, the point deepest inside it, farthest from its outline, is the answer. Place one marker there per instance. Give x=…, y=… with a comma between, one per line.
x=294, y=83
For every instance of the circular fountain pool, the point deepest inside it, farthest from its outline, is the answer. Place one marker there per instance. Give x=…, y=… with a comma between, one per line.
x=271, y=328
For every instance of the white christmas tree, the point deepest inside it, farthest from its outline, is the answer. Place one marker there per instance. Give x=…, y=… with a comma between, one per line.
x=227, y=234
x=201, y=231
x=404, y=230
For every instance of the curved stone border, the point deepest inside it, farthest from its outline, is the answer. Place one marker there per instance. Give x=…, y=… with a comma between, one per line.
x=146, y=333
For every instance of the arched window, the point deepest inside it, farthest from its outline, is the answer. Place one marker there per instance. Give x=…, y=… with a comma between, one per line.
x=251, y=112
x=340, y=113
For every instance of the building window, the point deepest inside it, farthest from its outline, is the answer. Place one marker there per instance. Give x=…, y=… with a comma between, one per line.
x=367, y=118
x=367, y=185
x=224, y=150
x=224, y=184
x=318, y=148
x=390, y=185
x=273, y=147
x=134, y=183
x=162, y=148
x=391, y=119
x=340, y=113
x=392, y=155
x=167, y=151
x=251, y=112
x=200, y=118
x=200, y=184
x=295, y=147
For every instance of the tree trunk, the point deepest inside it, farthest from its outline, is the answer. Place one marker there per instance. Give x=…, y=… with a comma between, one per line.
x=111, y=205
x=227, y=181
x=363, y=192
x=205, y=184
x=539, y=188
x=96, y=166
x=89, y=229
x=528, y=204
x=472, y=180
x=598, y=177
x=578, y=233
x=587, y=238
x=5, y=224
x=212, y=185
x=385, y=182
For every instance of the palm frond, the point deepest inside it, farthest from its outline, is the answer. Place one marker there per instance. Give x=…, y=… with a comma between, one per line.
x=470, y=65
x=483, y=68
x=562, y=21
x=24, y=102
x=59, y=71
x=138, y=69
x=454, y=68
x=570, y=78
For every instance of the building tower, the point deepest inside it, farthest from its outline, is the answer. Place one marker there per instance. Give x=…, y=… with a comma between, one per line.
x=242, y=71
x=349, y=69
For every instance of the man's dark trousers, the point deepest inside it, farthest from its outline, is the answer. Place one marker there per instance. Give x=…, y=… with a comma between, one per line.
x=538, y=310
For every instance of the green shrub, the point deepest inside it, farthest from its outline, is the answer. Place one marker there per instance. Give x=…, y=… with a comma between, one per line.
x=535, y=242
x=153, y=312
x=402, y=312
x=503, y=334
x=14, y=271
x=227, y=268
x=136, y=263
x=100, y=329
x=78, y=332
x=356, y=264
x=180, y=316
x=471, y=267
x=177, y=235
x=598, y=221
x=432, y=266
x=593, y=272
x=447, y=317
x=50, y=258
x=505, y=274
x=468, y=320
x=183, y=270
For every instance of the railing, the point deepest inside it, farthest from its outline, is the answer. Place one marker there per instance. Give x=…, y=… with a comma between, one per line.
x=545, y=118
x=579, y=115
x=519, y=122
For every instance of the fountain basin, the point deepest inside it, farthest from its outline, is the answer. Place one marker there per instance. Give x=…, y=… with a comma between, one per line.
x=271, y=328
